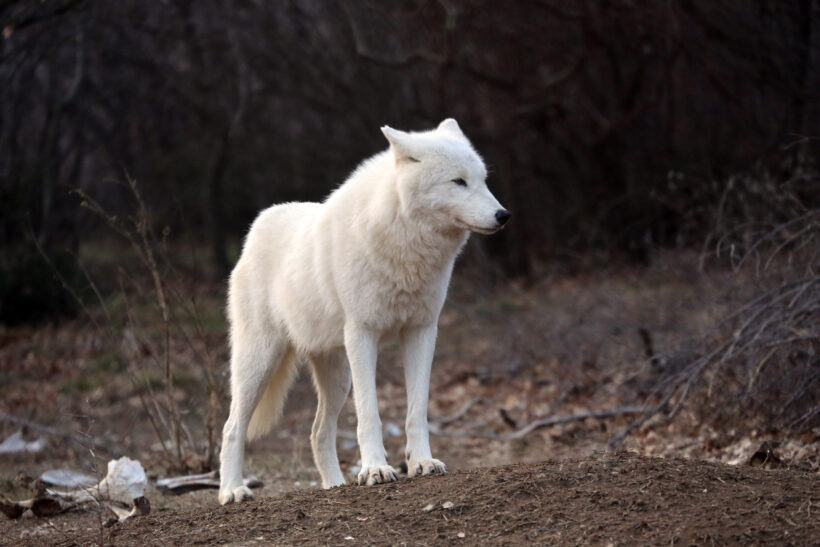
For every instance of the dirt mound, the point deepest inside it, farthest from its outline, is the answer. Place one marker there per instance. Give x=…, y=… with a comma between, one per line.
x=614, y=498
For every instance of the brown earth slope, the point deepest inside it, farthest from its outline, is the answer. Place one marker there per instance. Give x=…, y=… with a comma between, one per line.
x=618, y=498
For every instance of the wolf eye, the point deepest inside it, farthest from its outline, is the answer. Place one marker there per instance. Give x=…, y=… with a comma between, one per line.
x=460, y=182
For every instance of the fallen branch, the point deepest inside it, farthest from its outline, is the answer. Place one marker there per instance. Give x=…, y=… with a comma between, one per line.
x=122, y=491
x=465, y=408
x=545, y=422
x=509, y=420
x=188, y=483
x=559, y=420
x=51, y=502
x=616, y=441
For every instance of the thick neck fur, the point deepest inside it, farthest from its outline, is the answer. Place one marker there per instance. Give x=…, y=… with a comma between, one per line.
x=406, y=248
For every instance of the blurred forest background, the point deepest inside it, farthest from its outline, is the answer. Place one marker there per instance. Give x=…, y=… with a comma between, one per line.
x=673, y=144
x=609, y=125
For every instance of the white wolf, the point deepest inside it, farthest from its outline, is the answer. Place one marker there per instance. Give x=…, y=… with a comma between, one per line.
x=326, y=281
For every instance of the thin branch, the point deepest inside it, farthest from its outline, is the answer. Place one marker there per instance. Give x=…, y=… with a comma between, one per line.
x=546, y=422
x=560, y=420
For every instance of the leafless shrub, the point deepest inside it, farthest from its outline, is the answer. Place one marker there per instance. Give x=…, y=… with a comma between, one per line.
x=760, y=365
x=175, y=310
x=763, y=214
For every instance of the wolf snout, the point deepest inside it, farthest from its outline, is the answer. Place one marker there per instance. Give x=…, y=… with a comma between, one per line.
x=502, y=216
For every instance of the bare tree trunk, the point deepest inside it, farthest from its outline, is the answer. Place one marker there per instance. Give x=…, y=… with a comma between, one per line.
x=216, y=206
x=805, y=101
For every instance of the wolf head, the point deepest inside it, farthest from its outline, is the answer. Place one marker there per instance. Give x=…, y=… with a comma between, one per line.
x=442, y=180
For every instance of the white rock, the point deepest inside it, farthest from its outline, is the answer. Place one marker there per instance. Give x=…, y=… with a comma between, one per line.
x=125, y=481
x=392, y=430
x=16, y=444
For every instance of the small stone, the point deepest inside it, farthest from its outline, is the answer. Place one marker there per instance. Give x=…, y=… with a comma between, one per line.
x=461, y=535
x=429, y=507
x=392, y=430
x=448, y=505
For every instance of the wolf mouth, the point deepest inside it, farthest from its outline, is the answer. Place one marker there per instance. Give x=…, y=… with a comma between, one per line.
x=477, y=229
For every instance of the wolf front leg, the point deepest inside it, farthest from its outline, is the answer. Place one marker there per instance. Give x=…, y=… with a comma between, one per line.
x=418, y=346
x=362, y=345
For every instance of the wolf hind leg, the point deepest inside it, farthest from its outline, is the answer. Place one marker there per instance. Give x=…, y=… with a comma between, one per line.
x=257, y=361
x=331, y=377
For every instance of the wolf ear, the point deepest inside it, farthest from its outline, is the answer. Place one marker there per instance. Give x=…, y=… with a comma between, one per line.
x=451, y=126
x=400, y=142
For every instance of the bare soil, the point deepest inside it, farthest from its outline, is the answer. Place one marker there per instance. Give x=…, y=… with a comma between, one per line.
x=616, y=498
x=507, y=356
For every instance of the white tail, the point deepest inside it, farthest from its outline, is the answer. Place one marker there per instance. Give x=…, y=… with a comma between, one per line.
x=269, y=409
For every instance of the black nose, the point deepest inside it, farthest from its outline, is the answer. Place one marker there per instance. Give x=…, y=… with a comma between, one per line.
x=502, y=216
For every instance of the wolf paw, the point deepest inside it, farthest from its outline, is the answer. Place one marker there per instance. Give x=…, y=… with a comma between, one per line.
x=377, y=475
x=426, y=467
x=235, y=495
x=334, y=482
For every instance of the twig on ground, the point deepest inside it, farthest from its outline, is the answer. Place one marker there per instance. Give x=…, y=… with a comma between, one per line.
x=465, y=408
x=546, y=422
x=509, y=420
x=559, y=420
